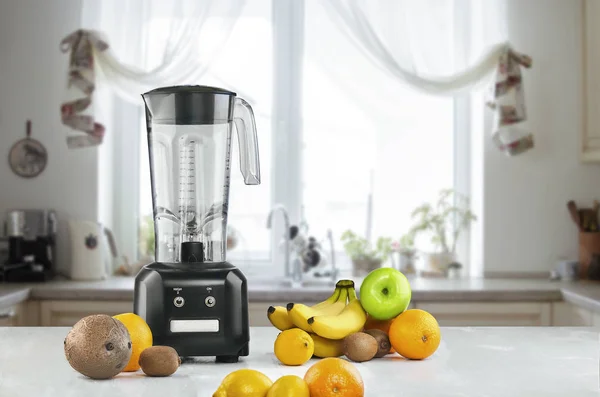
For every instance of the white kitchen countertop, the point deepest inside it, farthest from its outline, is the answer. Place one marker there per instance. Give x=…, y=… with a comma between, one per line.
x=490, y=362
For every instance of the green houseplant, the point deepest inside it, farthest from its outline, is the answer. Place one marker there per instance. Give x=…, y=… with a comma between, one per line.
x=364, y=256
x=444, y=220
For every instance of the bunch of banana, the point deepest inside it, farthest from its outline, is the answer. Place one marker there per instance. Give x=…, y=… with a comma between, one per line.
x=296, y=315
x=337, y=326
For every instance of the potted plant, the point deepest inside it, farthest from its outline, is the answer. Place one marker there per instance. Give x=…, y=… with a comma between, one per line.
x=406, y=253
x=444, y=220
x=364, y=256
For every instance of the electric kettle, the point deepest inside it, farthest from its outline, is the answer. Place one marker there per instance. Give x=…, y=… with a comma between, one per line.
x=93, y=251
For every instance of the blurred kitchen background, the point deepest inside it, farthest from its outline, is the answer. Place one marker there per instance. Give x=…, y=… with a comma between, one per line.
x=359, y=169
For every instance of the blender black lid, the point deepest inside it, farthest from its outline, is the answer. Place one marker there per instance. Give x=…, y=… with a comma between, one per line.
x=189, y=105
x=201, y=89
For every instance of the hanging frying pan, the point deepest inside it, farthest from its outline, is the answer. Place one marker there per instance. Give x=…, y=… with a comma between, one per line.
x=28, y=157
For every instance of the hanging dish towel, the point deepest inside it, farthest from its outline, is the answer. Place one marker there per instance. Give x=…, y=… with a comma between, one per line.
x=508, y=103
x=76, y=110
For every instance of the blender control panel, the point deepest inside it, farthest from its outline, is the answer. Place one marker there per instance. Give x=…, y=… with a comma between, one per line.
x=194, y=308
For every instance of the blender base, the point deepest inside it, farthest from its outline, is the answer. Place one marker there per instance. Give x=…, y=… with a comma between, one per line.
x=197, y=308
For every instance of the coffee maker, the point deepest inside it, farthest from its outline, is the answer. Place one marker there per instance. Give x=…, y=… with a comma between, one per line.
x=31, y=237
x=193, y=299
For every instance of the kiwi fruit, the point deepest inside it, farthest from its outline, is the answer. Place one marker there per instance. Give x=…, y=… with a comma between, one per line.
x=360, y=347
x=383, y=342
x=159, y=361
x=98, y=346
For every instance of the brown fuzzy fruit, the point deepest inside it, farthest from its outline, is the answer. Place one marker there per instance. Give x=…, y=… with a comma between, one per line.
x=159, y=361
x=360, y=347
x=383, y=342
x=98, y=346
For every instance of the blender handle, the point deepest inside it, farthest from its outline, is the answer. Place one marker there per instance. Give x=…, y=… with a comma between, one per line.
x=246, y=129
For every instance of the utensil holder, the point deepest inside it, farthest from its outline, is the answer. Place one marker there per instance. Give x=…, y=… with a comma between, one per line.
x=589, y=244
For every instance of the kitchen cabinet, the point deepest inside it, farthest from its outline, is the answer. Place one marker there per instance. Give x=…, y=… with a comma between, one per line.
x=489, y=314
x=67, y=313
x=565, y=314
x=9, y=316
x=22, y=314
x=590, y=143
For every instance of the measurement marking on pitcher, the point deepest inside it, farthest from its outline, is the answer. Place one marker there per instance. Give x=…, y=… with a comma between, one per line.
x=187, y=186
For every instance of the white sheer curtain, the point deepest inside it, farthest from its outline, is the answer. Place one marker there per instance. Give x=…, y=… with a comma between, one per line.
x=374, y=147
x=376, y=134
x=406, y=39
x=409, y=40
x=186, y=51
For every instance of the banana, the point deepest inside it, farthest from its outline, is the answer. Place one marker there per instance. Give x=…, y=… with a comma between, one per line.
x=299, y=313
x=329, y=301
x=278, y=316
x=352, y=319
x=327, y=347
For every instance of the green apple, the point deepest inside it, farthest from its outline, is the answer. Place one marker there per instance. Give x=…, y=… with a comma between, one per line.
x=385, y=293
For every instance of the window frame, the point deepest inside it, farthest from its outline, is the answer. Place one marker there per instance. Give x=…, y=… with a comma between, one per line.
x=286, y=144
x=463, y=121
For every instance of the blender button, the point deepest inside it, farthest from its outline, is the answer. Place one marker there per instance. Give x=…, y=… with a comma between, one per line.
x=178, y=301
x=210, y=301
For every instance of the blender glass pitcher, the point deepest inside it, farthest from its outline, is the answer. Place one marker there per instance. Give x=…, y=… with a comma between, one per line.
x=189, y=140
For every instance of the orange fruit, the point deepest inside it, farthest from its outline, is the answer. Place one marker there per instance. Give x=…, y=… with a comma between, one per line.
x=141, y=338
x=415, y=334
x=382, y=325
x=334, y=377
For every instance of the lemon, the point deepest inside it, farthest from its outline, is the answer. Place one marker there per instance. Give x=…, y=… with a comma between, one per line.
x=294, y=347
x=289, y=386
x=244, y=382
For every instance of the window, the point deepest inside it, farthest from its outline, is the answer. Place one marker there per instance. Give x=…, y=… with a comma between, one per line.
x=373, y=149
x=342, y=144
x=245, y=67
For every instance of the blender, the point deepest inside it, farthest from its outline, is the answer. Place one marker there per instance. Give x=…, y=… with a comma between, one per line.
x=193, y=299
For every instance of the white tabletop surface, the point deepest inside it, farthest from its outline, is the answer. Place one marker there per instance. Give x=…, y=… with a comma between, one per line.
x=484, y=362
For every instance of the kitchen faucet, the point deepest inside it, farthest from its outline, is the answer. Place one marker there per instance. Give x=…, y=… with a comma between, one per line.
x=286, y=221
